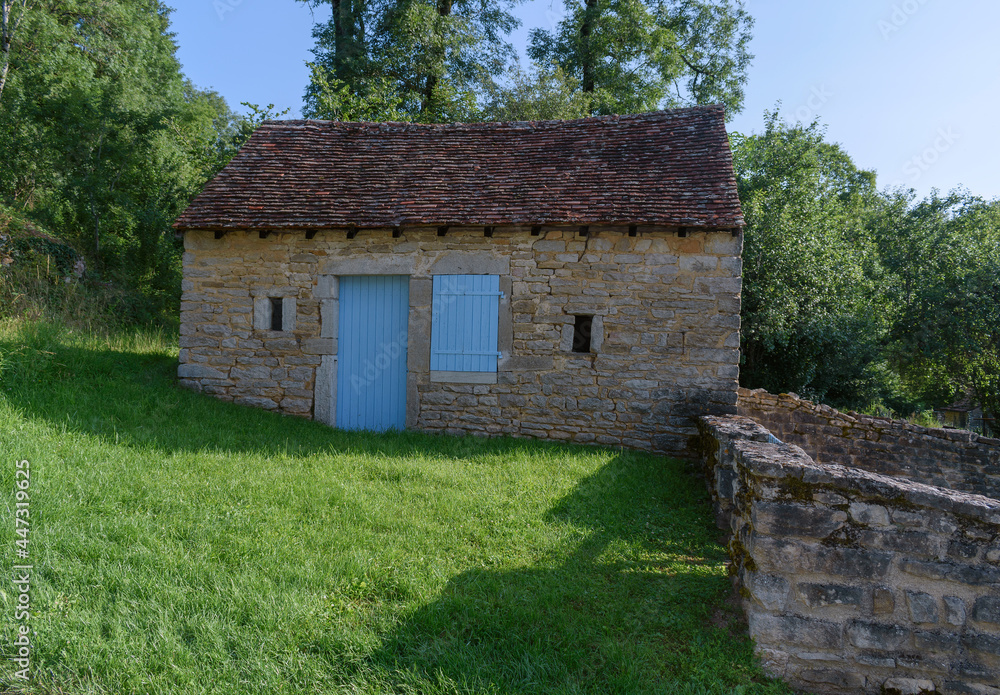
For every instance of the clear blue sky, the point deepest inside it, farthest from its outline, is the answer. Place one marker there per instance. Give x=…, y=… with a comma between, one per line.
x=910, y=88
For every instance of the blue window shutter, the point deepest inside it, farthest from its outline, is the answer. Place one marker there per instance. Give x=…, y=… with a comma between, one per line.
x=465, y=318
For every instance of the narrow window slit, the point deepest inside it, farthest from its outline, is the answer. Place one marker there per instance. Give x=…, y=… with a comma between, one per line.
x=276, y=318
x=581, y=332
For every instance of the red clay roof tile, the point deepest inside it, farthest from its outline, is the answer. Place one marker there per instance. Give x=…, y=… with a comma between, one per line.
x=668, y=167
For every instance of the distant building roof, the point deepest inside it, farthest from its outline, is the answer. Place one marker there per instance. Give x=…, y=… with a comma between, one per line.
x=964, y=404
x=668, y=167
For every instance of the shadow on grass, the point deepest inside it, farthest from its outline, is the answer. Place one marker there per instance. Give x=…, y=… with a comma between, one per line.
x=133, y=399
x=628, y=611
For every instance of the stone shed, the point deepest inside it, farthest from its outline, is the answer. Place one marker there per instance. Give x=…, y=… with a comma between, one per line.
x=572, y=280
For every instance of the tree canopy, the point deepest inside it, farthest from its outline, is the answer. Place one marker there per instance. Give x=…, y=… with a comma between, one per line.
x=422, y=60
x=103, y=139
x=942, y=261
x=812, y=317
x=449, y=60
x=858, y=297
x=641, y=55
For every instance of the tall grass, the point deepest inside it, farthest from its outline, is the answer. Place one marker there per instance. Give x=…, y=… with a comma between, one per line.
x=186, y=545
x=36, y=293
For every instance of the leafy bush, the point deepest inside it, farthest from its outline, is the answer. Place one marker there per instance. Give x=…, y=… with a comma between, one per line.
x=860, y=298
x=31, y=250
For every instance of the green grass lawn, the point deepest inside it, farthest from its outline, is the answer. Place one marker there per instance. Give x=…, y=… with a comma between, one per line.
x=186, y=545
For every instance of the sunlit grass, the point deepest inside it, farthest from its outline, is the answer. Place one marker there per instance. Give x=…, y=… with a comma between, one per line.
x=186, y=545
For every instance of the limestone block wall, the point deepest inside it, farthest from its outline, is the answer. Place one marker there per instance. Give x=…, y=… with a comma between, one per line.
x=664, y=349
x=856, y=582
x=948, y=458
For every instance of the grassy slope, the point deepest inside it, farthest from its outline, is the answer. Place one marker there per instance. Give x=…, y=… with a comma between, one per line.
x=183, y=544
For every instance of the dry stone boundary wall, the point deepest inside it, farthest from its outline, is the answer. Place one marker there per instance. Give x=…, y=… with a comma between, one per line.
x=948, y=458
x=854, y=581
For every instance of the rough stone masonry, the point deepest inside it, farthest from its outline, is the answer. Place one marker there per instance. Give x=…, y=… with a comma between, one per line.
x=855, y=581
x=665, y=342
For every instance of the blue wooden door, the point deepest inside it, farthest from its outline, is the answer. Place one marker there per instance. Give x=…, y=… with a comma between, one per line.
x=371, y=362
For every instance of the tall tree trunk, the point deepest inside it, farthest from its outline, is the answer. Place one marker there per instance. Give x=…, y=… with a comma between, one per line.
x=443, y=10
x=429, y=88
x=587, y=59
x=338, y=37
x=348, y=33
x=7, y=30
x=3, y=73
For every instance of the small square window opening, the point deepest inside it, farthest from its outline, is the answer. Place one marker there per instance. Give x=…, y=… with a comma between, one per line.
x=582, y=328
x=276, y=318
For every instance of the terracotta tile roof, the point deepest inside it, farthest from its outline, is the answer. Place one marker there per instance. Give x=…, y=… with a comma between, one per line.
x=669, y=167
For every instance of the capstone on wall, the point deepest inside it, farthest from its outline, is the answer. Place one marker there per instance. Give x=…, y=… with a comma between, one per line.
x=664, y=346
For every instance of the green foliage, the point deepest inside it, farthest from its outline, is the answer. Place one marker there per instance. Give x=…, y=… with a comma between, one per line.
x=40, y=279
x=246, y=125
x=208, y=131
x=441, y=51
x=38, y=292
x=30, y=249
x=447, y=60
x=24, y=245
x=409, y=60
x=862, y=298
x=342, y=43
x=102, y=140
x=635, y=56
x=190, y=545
x=547, y=93
x=943, y=260
x=332, y=99
x=10, y=21
x=813, y=319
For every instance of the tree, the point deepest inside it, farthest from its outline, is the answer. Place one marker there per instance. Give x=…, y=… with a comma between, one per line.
x=11, y=16
x=342, y=40
x=546, y=93
x=943, y=255
x=859, y=298
x=643, y=55
x=814, y=318
x=423, y=60
x=101, y=139
x=207, y=130
x=332, y=99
